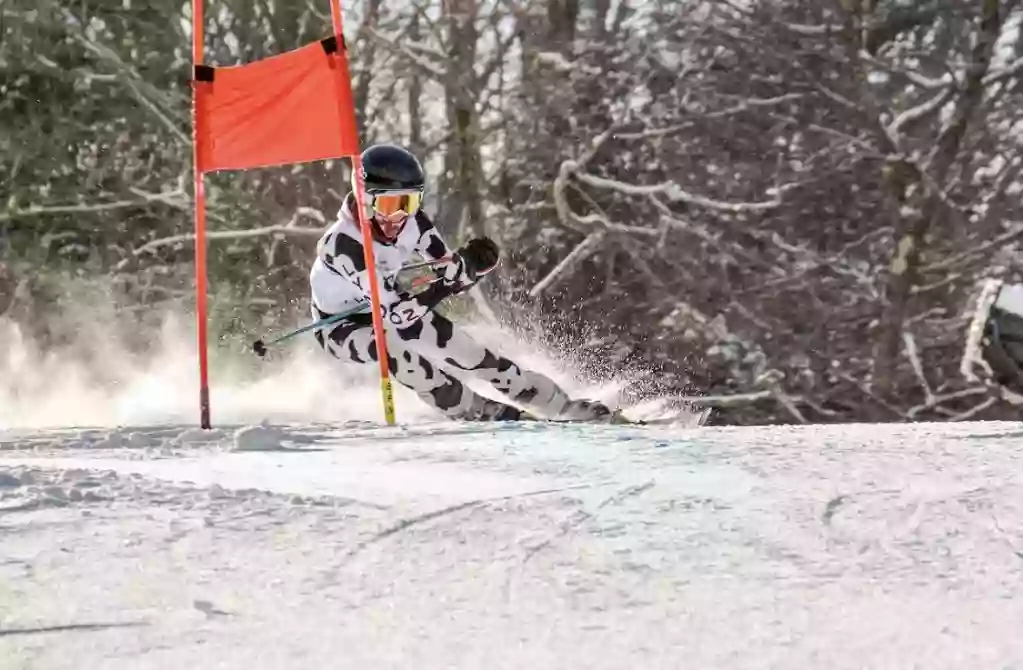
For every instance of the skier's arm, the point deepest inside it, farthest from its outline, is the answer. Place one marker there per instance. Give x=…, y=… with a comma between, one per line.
x=468, y=264
x=431, y=244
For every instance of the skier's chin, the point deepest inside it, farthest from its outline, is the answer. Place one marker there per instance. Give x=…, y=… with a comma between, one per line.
x=387, y=232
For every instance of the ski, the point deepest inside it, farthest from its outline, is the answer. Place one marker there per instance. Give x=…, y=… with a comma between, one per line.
x=617, y=418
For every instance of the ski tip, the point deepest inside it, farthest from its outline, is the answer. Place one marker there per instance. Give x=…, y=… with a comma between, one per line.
x=259, y=348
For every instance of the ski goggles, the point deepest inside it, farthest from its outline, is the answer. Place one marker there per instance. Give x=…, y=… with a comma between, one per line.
x=395, y=206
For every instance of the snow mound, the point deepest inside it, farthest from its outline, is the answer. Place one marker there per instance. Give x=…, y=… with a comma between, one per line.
x=257, y=438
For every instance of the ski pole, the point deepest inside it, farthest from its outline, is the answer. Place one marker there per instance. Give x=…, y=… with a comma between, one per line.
x=423, y=281
x=427, y=264
x=259, y=346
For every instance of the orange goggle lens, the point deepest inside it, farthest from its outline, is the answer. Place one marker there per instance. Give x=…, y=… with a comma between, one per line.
x=390, y=204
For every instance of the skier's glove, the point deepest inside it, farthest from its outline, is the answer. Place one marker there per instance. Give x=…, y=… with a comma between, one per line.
x=479, y=256
x=468, y=265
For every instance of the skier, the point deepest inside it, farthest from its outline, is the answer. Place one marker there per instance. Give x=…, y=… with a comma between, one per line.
x=427, y=353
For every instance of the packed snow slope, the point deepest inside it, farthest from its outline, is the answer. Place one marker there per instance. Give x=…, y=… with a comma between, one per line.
x=437, y=545
x=300, y=533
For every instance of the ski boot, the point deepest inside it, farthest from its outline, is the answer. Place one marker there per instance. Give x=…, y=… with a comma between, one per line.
x=485, y=410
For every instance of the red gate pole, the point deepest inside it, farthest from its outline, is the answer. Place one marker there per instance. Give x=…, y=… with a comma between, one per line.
x=367, y=246
x=200, y=220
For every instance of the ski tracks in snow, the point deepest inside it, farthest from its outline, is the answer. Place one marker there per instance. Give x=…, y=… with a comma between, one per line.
x=505, y=546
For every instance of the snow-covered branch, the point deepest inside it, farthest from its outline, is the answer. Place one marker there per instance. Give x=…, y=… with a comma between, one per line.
x=973, y=411
x=218, y=235
x=558, y=62
x=676, y=193
x=1011, y=70
x=171, y=198
x=426, y=66
x=574, y=257
x=937, y=400
x=420, y=47
x=913, y=354
x=289, y=229
x=984, y=248
x=789, y=402
x=912, y=76
x=807, y=30
x=160, y=103
x=908, y=118
x=743, y=106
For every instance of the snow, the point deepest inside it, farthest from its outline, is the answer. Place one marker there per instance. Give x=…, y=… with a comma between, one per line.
x=302, y=533
x=441, y=545
x=257, y=438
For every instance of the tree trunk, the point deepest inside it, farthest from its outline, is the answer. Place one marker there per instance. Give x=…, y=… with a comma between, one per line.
x=415, y=94
x=461, y=208
x=561, y=17
x=364, y=58
x=601, y=9
x=923, y=203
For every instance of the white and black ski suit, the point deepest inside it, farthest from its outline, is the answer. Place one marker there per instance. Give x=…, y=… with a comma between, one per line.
x=426, y=352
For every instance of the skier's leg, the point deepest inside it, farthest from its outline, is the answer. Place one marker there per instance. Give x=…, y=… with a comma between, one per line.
x=437, y=338
x=354, y=341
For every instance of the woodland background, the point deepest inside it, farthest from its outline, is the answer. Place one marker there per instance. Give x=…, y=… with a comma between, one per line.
x=783, y=204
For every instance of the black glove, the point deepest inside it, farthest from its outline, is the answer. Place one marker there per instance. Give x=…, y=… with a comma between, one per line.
x=480, y=256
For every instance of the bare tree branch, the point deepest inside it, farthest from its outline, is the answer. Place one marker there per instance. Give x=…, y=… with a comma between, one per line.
x=744, y=106
x=973, y=411
x=288, y=229
x=813, y=30
x=214, y=235
x=675, y=193
x=914, y=360
x=92, y=208
x=424, y=65
x=740, y=399
x=1005, y=238
x=1011, y=70
x=581, y=251
x=936, y=400
x=161, y=103
x=910, y=117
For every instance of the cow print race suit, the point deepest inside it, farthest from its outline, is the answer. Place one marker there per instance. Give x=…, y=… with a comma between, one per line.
x=427, y=353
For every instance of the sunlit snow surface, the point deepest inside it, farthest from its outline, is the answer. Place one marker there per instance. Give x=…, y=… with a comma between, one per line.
x=442, y=545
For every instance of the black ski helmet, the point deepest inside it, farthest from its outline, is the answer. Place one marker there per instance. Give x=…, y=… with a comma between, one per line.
x=388, y=167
